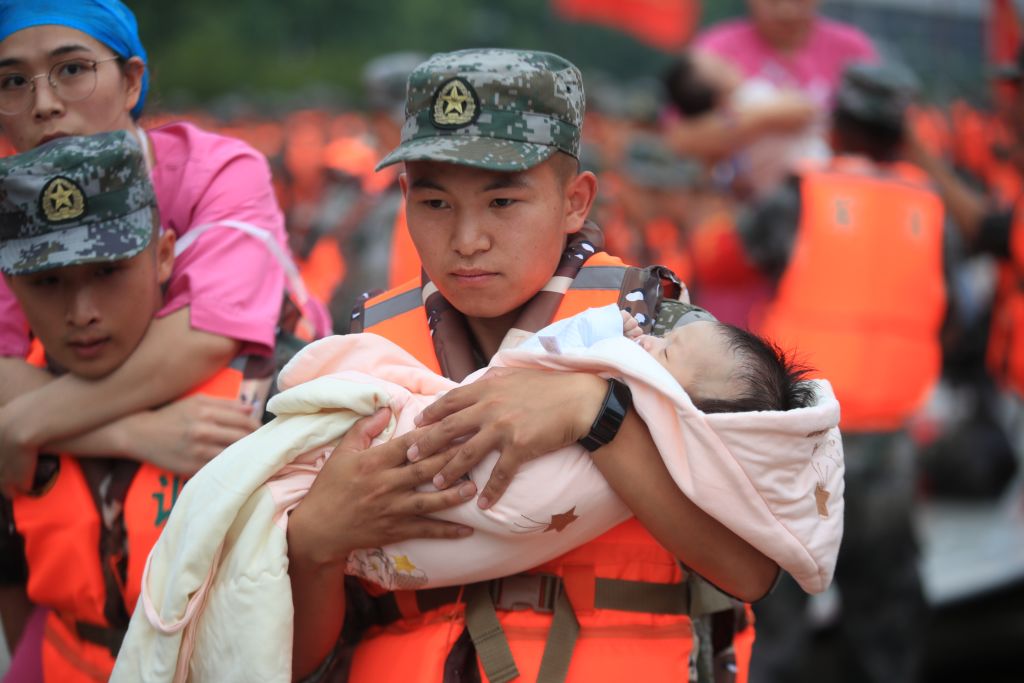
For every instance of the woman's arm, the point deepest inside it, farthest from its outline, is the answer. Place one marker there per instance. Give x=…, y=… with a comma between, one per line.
x=171, y=359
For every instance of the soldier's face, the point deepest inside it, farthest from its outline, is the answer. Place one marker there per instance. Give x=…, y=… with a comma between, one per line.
x=91, y=317
x=34, y=51
x=490, y=240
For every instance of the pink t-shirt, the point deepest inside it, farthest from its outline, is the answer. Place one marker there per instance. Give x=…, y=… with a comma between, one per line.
x=230, y=281
x=815, y=69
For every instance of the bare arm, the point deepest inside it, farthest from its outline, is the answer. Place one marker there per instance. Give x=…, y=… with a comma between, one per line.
x=20, y=378
x=636, y=472
x=720, y=133
x=967, y=206
x=171, y=359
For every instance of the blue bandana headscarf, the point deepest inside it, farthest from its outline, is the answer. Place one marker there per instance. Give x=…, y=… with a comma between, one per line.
x=108, y=21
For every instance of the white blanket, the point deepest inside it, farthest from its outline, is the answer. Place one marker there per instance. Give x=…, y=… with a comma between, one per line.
x=216, y=590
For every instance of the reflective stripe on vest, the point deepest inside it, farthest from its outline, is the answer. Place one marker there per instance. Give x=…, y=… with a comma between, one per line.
x=863, y=296
x=61, y=528
x=659, y=645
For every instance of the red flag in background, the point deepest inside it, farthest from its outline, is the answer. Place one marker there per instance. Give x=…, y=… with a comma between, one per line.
x=664, y=24
x=1003, y=37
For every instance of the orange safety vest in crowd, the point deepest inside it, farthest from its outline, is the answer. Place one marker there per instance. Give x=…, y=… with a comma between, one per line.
x=62, y=532
x=613, y=645
x=324, y=269
x=1006, y=337
x=863, y=297
x=405, y=260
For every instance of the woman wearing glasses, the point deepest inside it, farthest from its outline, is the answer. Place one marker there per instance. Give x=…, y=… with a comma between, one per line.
x=77, y=67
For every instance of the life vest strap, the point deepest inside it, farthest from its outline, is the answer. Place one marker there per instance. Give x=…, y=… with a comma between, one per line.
x=104, y=636
x=546, y=594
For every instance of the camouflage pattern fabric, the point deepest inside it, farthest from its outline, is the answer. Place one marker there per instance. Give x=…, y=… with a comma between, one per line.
x=672, y=314
x=75, y=200
x=500, y=110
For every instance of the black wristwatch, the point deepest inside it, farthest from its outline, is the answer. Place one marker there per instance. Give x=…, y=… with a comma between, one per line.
x=613, y=411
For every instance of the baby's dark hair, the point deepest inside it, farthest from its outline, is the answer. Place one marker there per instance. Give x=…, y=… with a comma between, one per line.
x=771, y=378
x=691, y=94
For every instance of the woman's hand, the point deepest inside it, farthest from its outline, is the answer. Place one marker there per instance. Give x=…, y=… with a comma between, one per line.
x=520, y=413
x=185, y=435
x=365, y=497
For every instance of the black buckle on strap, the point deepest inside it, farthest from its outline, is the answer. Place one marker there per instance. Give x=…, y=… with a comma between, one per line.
x=538, y=592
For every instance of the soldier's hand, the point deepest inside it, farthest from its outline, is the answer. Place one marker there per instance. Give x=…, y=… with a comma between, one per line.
x=185, y=435
x=522, y=413
x=365, y=497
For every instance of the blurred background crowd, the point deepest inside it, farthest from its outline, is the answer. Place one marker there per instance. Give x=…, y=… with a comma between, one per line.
x=691, y=132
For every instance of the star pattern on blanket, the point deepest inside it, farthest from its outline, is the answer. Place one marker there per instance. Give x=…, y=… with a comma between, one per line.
x=562, y=520
x=821, y=498
x=403, y=564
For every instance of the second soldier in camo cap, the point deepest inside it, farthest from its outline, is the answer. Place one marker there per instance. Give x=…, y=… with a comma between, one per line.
x=74, y=201
x=500, y=110
x=82, y=250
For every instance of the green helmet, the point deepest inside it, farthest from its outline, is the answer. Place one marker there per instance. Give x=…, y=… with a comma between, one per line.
x=500, y=110
x=75, y=200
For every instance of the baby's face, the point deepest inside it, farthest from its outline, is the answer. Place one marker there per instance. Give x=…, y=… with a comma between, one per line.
x=698, y=356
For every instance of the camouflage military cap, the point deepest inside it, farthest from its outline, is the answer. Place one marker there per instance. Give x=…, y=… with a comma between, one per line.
x=672, y=314
x=75, y=200
x=877, y=93
x=500, y=110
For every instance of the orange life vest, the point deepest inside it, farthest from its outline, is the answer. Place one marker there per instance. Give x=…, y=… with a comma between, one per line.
x=1006, y=337
x=613, y=645
x=863, y=296
x=324, y=269
x=61, y=528
x=405, y=260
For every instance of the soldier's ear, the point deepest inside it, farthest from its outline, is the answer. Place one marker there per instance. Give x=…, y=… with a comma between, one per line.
x=580, y=193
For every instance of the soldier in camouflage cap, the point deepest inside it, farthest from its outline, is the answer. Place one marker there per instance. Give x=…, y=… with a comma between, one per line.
x=73, y=201
x=499, y=110
x=876, y=94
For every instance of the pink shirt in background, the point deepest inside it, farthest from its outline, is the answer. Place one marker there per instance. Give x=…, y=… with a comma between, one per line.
x=814, y=69
x=230, y=281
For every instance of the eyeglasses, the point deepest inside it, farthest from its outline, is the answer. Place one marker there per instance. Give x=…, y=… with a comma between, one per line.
x=71, y=80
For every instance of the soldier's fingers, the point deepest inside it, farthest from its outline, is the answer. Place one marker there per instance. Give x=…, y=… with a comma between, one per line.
x=440, y=436
x=361, y=434
x=453, y=402
x=429, y=528
x=425, y=503
x=461, y=459
x=390, y=454
x=501, y=476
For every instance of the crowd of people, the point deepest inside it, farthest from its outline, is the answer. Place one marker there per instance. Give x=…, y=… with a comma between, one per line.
x=551, y=369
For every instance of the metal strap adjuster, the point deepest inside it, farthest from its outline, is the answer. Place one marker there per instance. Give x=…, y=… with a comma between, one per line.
x=538, y=592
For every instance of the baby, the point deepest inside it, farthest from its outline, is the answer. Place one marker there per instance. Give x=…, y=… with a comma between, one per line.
x=721, y=368
x=724, y=368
